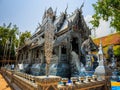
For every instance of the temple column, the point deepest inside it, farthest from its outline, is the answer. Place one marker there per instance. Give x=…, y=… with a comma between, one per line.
x=79, y=44
x=24, y=57
x=29, y=56
x=68, y=49
x=32, y=58
x=59, y=53
x=42, y=55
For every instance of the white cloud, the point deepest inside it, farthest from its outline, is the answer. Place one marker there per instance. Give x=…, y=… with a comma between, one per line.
x=88, y=18
x=103, y=29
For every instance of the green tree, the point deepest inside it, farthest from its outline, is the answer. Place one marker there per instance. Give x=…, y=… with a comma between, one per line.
x=23, y=36
x=107, y=10
x=13, y=33
x=8, y=40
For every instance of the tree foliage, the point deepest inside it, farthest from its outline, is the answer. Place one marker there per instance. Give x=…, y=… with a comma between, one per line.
x=107, y=10
x=117, y=51
x=8, y=39
x=23, y=36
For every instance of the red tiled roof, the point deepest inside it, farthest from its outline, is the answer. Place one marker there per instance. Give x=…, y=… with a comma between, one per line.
x=108, y=40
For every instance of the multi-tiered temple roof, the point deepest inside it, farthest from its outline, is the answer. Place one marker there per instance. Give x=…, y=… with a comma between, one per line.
x=63, y=24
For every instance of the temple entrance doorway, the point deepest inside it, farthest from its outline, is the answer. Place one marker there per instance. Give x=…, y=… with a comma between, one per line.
x=75, y=45
x=63, y=53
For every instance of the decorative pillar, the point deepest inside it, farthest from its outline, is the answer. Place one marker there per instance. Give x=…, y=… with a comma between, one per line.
x=103, y=71
x=48, y=44
x=47, y=83
x=42, y=57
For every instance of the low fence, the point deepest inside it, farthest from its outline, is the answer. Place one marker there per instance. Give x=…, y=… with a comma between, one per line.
x=28, y=82
x=22, y=80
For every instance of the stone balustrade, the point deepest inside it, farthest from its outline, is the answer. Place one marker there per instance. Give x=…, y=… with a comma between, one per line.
x=29, y=82
x=22, y=80
x=83, y=83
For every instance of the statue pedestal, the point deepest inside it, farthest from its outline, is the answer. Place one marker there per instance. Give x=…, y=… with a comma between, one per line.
x=104, y=73
x=47, y=83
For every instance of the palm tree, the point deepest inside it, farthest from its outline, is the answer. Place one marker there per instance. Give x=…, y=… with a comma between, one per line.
x=23, y=36
x=4, y=35
x=13, y=40
x=9, y=39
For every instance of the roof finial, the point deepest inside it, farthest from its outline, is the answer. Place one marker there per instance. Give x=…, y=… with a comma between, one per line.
x=44, y=16
x=82, y=6
x=66, y=9
x=56, y=10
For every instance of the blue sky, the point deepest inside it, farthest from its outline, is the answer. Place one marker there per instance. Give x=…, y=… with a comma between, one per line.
x=27, y=13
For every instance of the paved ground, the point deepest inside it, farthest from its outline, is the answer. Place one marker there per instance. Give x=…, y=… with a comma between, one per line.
x=3, y=84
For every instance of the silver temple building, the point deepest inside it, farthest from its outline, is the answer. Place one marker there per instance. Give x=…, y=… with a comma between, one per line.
x=70, y=34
